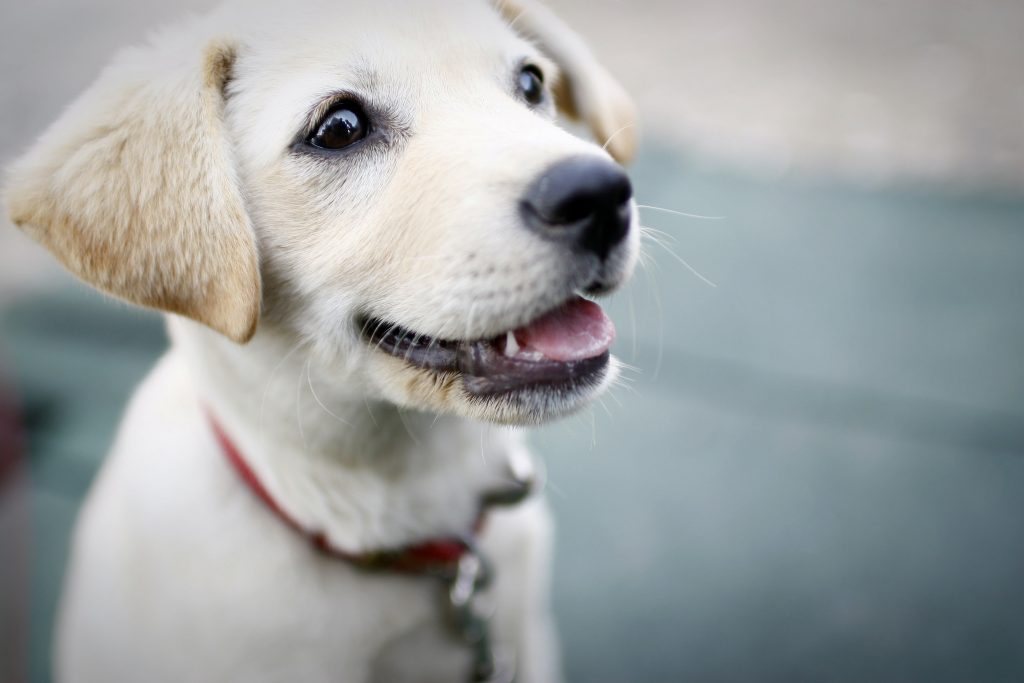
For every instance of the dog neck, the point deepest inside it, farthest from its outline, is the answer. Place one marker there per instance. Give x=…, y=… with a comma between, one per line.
x=364, y=473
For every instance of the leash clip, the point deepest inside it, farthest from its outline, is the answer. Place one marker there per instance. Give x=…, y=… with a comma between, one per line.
x=473, y=574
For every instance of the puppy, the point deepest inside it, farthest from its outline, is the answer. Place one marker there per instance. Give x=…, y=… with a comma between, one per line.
x=370, y=239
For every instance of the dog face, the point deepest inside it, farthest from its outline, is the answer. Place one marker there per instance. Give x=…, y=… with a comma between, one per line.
x=386, y=183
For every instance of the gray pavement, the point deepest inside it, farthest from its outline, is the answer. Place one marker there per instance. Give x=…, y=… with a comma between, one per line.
x=876, y=90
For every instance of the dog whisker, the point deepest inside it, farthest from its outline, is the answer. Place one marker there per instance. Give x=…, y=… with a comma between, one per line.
x=514, y=20
x=270, y=380
x=661, y=234
x=694, y=271
x=298, y=404
x=653, y=286
x=645, y=258
x=309, y=379
x=432, y=344
x=632, y=324
x=622, y=383
x=593, y=426
x=630, y=368
x=376, y=331
x=546, y=483
x=627, y=386
x=408, y=429
x=369, y=411
x=616, y=134
x=680, y=213
x=391, y=330
x=362, y=328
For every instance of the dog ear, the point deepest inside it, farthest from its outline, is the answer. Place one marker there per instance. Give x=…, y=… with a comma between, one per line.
x=585, y=90
x=135, y=190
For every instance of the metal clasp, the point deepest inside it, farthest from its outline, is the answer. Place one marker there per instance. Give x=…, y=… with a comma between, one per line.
x=472, y=575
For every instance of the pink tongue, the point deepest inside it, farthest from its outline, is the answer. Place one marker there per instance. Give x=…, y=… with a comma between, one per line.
x=576, y=331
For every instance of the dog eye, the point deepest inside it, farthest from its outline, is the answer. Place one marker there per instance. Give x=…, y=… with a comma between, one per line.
x=531, y=84
x=343, y=125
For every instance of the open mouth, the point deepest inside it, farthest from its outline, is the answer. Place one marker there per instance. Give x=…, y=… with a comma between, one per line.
x=566, y=347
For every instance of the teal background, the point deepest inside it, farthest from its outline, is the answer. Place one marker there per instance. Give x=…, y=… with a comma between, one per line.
x=814, y=473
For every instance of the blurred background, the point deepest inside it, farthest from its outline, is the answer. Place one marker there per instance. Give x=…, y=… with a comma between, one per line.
x=816, y=471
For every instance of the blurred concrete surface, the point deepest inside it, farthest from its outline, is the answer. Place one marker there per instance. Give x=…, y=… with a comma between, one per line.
x=876, y=90
x=815, y=471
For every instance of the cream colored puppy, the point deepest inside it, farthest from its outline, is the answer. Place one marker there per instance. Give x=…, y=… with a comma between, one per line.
x=370, y=238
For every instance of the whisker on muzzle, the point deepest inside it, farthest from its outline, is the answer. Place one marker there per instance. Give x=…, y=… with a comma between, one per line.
x=270, y=380
x=614, y=135
x=679, y=213
x=649, y=233
x=312, y=391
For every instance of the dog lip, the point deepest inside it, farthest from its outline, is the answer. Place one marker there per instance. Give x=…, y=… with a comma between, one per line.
x=416, y=349
x=486, y=372
x=486, y=366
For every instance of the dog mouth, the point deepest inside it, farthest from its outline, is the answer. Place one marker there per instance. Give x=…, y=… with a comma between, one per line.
x=563, y=348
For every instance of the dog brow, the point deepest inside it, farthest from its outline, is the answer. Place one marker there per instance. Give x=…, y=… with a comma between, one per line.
x=364, y=76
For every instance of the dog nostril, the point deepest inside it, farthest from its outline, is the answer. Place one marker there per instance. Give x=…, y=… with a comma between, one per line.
x=625, y=191
x=581, y=201
x=576, y=208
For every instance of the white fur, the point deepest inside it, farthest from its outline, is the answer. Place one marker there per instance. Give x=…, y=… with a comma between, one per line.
x=178, y=572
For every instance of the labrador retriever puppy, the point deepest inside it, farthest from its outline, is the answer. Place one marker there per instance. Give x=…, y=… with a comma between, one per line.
x=371, y=240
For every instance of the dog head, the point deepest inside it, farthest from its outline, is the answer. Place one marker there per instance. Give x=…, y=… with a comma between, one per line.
x=383, y=181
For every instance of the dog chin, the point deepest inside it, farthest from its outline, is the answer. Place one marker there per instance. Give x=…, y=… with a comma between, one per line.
x=535, y=406
x=447, y=393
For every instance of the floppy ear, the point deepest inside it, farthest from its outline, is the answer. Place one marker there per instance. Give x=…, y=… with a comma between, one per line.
x=586, y=90
x=134, y=189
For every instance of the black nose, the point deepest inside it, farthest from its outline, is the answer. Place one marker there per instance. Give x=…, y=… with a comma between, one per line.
x=583, y=202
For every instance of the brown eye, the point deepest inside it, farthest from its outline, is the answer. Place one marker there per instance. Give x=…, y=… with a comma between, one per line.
x=531, y=84
x=344, y=125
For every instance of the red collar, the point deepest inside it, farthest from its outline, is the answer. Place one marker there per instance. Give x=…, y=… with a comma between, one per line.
x=434, y=555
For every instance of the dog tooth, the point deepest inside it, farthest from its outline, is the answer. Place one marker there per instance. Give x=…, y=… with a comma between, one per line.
x=511, y=345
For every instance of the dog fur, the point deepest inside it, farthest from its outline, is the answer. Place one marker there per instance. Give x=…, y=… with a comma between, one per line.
x=176, y=182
